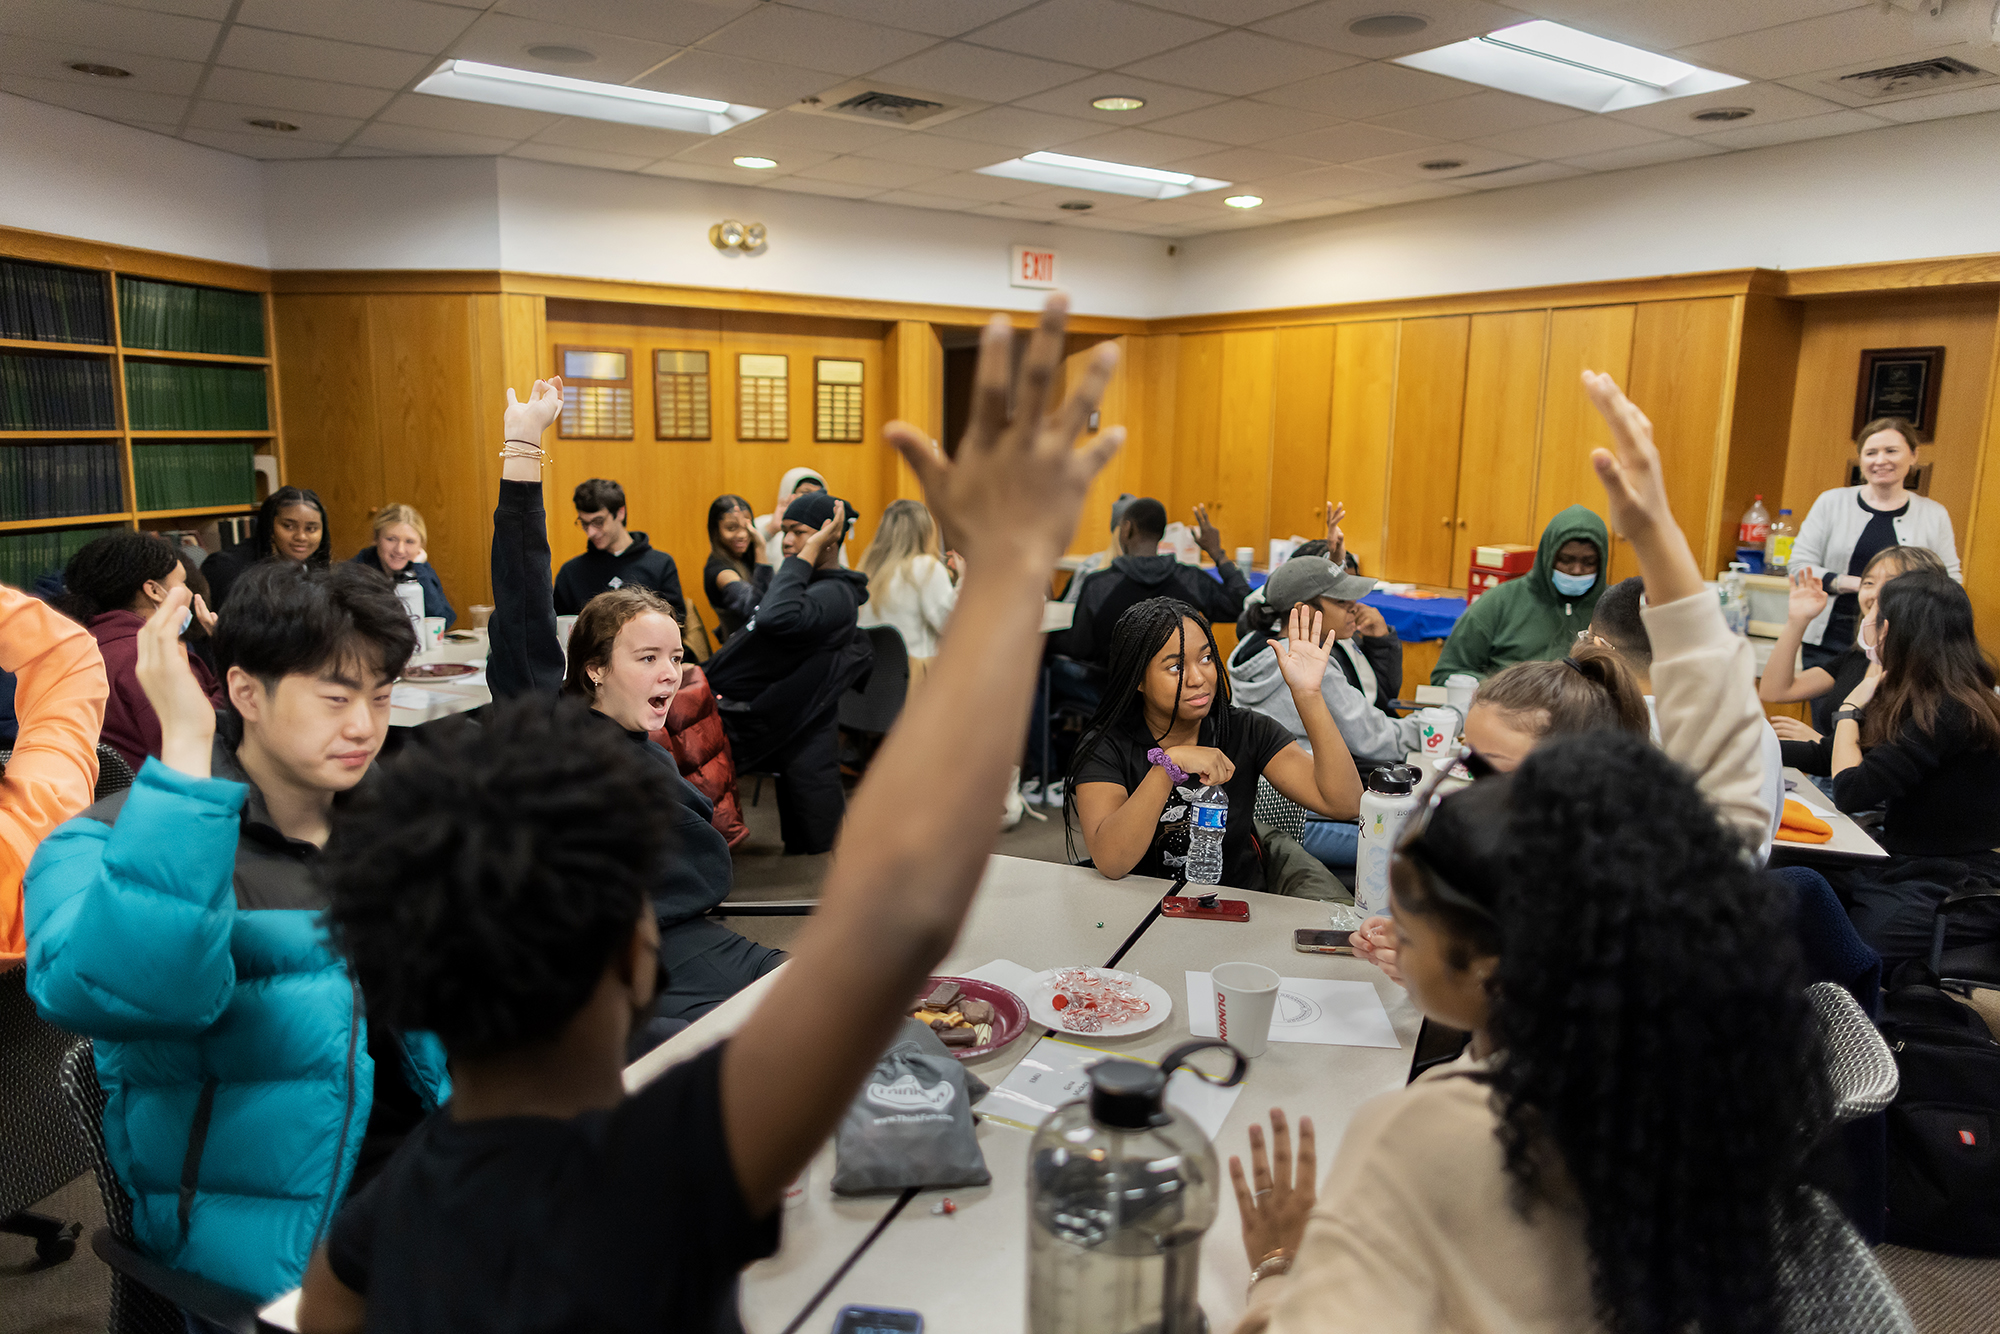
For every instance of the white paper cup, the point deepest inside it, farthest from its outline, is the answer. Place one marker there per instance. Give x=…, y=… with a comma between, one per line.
x=564, y=624
x=1459, y=689
x=1246, y=556
x=1246, y=994
x=433, y=633
x=1438, y=728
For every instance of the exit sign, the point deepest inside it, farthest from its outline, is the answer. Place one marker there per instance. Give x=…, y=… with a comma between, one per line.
x=1032, y=267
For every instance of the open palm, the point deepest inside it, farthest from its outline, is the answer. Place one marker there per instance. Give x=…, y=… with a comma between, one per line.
x=1307, y=644
x=1807, y=598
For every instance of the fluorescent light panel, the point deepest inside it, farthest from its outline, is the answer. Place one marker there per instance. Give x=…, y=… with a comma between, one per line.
x=1088, y=173
x=1555, y=63
x=531, y=90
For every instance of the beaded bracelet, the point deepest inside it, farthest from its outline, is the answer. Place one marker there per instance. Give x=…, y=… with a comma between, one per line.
x=1174, y=771
x=529, y=450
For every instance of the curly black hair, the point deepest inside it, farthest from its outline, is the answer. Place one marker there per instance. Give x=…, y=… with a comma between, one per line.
x=479, y=887
x=1650, y=1016
x=107, y=573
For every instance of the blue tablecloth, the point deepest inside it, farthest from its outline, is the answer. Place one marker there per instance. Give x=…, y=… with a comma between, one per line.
x=1413, y=619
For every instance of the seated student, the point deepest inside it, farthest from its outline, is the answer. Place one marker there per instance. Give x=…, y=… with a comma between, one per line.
x=912, y=581
x=779, y=680
x=1534, y=618
x=545, y=1198
x=1808, y=747
x=398, y=552
x=1143, y=572
x=613, y=556
x=736, y=575
x=177, y=925
x=111, y=587
x=291, y=525
x=624, y=662
x=1380, y=652
x=771, y=527
x=1101, y=560
x=58, y=695
x=1920, y=737
x=1162, y=733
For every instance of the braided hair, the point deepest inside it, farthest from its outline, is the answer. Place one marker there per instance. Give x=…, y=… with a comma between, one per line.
x=107, y=574
x=263, y=531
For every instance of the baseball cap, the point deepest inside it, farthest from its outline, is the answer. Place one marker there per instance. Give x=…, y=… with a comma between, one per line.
x=1303, y=578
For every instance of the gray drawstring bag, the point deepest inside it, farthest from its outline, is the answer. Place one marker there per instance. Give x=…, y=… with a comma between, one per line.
x=911, y=1123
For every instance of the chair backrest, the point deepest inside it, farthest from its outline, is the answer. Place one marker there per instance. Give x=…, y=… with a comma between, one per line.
x=113, y=773
x=41, y=1149
x=695, y=637
x=1279, y=811
x=1831, y=1281
x=874, y=706
x=1861, y=1069
x=135, y=1309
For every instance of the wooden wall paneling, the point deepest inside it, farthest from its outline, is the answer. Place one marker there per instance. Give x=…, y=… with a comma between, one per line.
x=1240, y=503
x=1300, y=420
x=1362, y=418
x=1197, y=424
x=1156, y=360
x=1683, y=356
x=1503, y=412
x=1760, y=425
x=1979, y=546
x=1597, y=338
x=913, y=391
x=1423, y=451
x=334, y=445
x=1126, y=471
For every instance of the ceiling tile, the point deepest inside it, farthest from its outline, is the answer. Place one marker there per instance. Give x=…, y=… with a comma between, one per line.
x=1474, y=157
x=1325, y=24
x=263, y=147
x=51, y=60
x=606, y=137
x=723, y=152
x=1162, y=99
x=110, y=27
x=339, y=99
x=416, y=142
x=405, y=25
x=1318, y=208
x=195, y=9
x=940, y=18
x=868, y=171
x=1226, y=11
x=917, y=199
x=1238, y=63
x=1366, y=91
x=1243, y=122
x=1241, y=164
x=1323, y=183
x=831, y=189
x=1571, y=138
x=1017, y=128
x=211, y=115
x=1102, y=33
x=449, y=113
x=1790, y=131
x=1666, y=27
x=983, y=189
x=577, y=157
x=1490, y=112
x=695, y=171
x=816, y=41
x=1408, y=194
x=357, y=150
x=1151, y=211
x=1853, y=35
x=973, y=71
x=316, y=57
x=1644, y=155
x=1053, y=196
x=832, y=134
x=502, y=39
x=1966, y=102
x=1533, y=173
x=98, y=99
x=673, y=22
x=1770, y=101
x=1349, y=141
x=928, y=150
x=1140, y=148
x=757, y=83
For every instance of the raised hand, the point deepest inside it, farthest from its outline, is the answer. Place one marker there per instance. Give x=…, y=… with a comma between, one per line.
x=829, y=534
x=1206, y=535
x=1279, y=1195
x=1307, y=646
x=1012, y=490
x=187, y=717
x=1336, y=541
x=1635, y=488
x=203, y=616
x=525, y=422
x=1807, y=598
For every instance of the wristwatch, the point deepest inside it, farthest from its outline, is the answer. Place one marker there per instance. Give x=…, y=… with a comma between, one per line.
x=1845, y=713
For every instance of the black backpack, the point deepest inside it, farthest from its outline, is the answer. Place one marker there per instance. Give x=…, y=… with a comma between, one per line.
x=1944, y=1126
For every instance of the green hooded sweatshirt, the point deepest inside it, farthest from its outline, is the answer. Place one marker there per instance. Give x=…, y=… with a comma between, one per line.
x=1526, y=619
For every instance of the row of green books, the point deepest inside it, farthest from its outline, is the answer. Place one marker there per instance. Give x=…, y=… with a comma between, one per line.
x=194, y=475
x=176, y=396
x=60, y=479
x=174, y=317
x=53, y=304
x=43, y=391
x=26, y=557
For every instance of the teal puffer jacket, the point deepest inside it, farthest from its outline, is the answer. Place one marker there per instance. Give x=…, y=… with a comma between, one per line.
x=177, y=928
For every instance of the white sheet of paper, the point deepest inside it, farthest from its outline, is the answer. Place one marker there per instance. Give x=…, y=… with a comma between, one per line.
x=283, y=1312
x=1004, y=973
x=1310, y=1009
x=415, y=697
x=1055, y=1072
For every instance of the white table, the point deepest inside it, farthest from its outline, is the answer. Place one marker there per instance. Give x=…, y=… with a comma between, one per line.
x=1850, y=842
x=441, y=699
x=1057, y=616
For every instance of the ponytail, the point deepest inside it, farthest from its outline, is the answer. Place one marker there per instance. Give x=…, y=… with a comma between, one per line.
x=1592, y=690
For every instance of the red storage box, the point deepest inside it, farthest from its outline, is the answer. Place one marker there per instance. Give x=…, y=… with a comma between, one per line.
x=1506, y=557
x=1480, y=580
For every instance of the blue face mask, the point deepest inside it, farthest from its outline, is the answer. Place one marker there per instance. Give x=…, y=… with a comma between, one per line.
x=1572, y=585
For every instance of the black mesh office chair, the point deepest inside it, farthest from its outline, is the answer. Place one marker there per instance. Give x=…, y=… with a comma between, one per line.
x=1966, y=967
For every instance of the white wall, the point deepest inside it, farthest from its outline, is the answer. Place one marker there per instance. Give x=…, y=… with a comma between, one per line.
x=1902, y=192
x=75, y=175
x=384, y=213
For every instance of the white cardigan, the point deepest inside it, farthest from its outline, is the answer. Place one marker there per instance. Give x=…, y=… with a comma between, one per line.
x=918, y=605
x=1827, y=537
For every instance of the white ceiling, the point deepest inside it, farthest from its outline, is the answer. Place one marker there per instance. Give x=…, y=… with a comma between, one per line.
x=1274, y=96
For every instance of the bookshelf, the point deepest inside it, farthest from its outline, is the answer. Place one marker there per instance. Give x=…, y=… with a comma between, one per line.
x=135, y=390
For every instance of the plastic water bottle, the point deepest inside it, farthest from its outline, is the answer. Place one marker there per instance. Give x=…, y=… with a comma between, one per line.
x=1752, y=533
x=1208, y=820
x=1735, y=597
x=1778, y=546
x=1121, y=1188
x=1385, y=803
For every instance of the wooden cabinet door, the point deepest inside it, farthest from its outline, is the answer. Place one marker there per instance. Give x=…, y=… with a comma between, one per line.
x=1239, y=503
x=1299, y=428
x=1496, y=455
x=1197, y=423
x=1681, y=358
x=1597, y=338
x=1423, y=470
x=1357, y=456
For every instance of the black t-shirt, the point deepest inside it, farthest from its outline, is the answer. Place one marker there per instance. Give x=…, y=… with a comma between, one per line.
x=627, y=1219
x=1877, y=536
x=1248, y=739
x=394, y=1110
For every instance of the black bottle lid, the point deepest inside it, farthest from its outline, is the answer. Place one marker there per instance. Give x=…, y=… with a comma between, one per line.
x=1395, y=780
x=1125, y=1095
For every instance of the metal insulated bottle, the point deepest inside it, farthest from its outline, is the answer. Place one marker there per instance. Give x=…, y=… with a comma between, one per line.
x=1385, y=803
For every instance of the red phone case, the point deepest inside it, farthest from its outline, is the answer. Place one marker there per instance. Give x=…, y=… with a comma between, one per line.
x=1225, y=910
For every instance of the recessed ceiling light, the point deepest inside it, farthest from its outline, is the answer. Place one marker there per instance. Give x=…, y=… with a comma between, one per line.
x=1244, y=201
x=281, y=126
x=1086, y=173
x=1388, y=25
x=755, y=163
x=1559, y=64
x=562, y=55
x=531, y=90
x=1076, y=206
x=1724, y=113
x=100, y=71
x=1118, y=102
x=1442, y=164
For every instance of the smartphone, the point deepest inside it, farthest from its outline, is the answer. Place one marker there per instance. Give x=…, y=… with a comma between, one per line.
x=1307, y=941
x=877, y=1320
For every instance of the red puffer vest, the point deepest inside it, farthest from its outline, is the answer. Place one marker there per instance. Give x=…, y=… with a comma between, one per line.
x=701, y=749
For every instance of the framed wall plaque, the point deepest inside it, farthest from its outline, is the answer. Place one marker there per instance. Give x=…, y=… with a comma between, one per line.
x=680, y=395
x=763, y=388
x=1899, y=382
x=837, y=401
x=597, y=402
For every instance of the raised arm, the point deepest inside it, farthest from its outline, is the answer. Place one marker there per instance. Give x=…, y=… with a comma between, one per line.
x=1324, y=782
x=920, y=826
x=523, y=655
x=1782, y=682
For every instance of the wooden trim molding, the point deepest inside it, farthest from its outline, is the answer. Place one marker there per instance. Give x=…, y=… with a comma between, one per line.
x=18, y=243
x=1851, y=279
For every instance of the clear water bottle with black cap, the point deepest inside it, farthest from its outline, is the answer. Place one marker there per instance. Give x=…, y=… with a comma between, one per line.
x=1121, y=1189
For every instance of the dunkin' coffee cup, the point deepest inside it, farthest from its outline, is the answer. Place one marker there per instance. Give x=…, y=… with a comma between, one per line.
x=1439, y=729
x=1246, y=995
x=1459, y=688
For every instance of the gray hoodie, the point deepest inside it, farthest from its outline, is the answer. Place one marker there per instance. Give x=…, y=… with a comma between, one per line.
x=1256, y=684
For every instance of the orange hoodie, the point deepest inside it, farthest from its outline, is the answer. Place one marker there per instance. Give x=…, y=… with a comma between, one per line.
x=59, y=697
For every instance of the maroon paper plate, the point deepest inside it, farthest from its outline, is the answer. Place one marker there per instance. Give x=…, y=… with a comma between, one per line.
x=1010, y=1013
x=438, y=671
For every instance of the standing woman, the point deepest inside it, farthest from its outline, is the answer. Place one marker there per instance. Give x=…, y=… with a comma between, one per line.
x=1849, y=524
x=737, y=573
x=291, y=525
x=398, y=552
x=912, y=583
